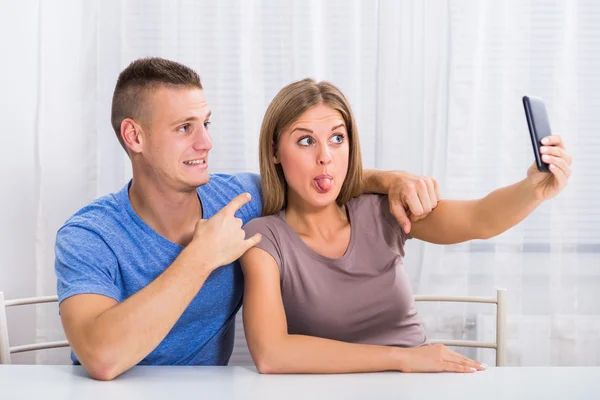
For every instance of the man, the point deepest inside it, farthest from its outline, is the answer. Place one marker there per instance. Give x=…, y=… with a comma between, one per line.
x=148, y=275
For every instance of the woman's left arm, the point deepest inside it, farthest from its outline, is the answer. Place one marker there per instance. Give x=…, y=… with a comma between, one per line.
x=456, y=221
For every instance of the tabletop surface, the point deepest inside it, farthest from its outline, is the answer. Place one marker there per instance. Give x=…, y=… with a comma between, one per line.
x=63, y=382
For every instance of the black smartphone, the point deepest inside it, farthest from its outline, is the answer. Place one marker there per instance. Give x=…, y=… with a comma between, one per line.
x=539, y=127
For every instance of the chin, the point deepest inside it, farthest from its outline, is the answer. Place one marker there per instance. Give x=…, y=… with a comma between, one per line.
x=322, y=200
x=198, y=180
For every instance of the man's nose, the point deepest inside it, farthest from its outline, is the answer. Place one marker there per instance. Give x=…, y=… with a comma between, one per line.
x=202, y=140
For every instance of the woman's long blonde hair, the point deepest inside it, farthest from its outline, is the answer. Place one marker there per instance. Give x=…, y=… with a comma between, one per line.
x=285, y=109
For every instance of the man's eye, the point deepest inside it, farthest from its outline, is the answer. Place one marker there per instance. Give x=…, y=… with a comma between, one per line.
x=306, y=141
x=184, y=128
x=206, y=124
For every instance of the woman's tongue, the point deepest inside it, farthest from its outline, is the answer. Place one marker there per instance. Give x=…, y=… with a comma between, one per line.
x=322, y=184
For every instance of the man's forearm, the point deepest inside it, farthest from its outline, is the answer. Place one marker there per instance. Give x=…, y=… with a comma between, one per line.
x=123, y=335
x=504, y=208
x=376, y=181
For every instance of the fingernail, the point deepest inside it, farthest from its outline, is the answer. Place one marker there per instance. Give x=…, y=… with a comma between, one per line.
x=484, y=366
x=545, y=140
x=472, y=369
x=545, y=158
x=543, y=150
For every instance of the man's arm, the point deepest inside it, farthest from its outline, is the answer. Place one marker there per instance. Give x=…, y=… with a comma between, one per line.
x=110, y=337
x=411, y=197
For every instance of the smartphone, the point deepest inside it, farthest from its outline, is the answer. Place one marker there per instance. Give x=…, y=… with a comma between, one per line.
x=539, y=127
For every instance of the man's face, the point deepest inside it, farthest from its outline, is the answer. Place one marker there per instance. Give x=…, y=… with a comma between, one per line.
x=177, y=140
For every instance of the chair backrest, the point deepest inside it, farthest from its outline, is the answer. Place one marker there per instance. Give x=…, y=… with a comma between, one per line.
x=5, y=349
x=500, y=343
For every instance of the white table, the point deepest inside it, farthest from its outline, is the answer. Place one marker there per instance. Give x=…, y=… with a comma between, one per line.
x=70, y=382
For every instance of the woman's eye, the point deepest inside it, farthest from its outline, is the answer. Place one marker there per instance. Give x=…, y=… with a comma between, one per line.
x=206, y=124
x=306, y=141
x=338, y=139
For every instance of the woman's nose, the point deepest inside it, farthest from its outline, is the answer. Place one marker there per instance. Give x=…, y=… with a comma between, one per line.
x=324, y=156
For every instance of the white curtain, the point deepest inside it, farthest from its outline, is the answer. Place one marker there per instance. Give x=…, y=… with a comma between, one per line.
x=436, y=87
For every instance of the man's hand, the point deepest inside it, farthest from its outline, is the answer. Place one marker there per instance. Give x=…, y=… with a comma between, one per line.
x=220, y=239
x=412, y=198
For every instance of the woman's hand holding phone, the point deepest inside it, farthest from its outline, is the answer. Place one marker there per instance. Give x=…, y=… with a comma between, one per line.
x=553, y=153
x=552, y=168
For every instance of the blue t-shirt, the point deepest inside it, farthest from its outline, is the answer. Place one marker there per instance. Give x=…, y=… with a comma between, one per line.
x=106, y=249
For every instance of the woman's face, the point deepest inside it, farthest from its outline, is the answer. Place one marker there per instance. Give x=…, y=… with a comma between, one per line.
x=313, y=153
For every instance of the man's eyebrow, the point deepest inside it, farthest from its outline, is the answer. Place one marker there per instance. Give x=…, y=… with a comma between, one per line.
x=191, y=119
x=188, y=119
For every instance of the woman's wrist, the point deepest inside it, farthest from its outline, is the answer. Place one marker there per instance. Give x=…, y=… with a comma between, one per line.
x=399, y=358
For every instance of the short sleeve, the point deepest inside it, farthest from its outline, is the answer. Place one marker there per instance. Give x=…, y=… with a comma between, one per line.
x=84, y=264
x=251, y=183
x=386, y=213
x=374, y=211
x=270, y=239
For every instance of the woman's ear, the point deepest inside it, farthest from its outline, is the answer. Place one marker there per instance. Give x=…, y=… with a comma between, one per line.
x=132, y=135
x=275, y=154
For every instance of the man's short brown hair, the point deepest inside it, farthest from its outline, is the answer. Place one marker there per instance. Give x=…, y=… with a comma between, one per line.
x=139, y=79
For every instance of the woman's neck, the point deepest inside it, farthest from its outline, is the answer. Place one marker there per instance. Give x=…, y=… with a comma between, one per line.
x=322, y=222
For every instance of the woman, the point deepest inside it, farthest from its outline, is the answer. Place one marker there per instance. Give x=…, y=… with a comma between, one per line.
x=325, y=290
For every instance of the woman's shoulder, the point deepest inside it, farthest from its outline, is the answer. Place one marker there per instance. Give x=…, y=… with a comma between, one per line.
x=273, y=231
x=372, y=209
x=270, y=224
x=370, y=204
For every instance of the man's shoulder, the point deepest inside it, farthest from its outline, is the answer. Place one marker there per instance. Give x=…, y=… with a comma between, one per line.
x=104, y=213
x=233, y=183
x=222, y=188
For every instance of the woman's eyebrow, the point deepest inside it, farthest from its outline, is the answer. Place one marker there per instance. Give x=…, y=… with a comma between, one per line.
x=301, y=129
x=310, y=131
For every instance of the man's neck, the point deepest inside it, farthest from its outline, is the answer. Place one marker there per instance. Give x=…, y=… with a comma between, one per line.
x=170, y=213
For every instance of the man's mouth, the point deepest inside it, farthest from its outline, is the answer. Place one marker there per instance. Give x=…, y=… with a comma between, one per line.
x=195, y=162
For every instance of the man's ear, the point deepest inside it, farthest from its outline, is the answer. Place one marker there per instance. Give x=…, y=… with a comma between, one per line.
x=132, y=135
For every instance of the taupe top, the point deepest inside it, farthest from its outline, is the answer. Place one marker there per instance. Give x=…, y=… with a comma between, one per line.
x=362, y=297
